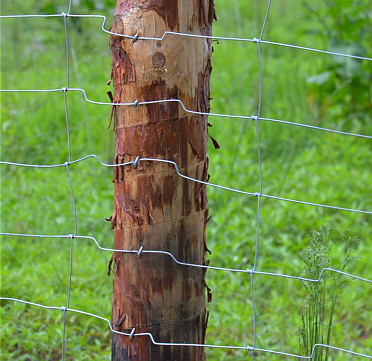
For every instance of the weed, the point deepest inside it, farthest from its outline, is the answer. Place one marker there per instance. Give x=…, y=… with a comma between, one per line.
x=317, y=317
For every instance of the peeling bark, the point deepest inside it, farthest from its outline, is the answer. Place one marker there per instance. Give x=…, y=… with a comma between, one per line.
x=153, y=206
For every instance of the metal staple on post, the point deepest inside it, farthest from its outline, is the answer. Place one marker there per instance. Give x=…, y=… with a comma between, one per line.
x=132, y=333
x=256, y=118
x=136, y=161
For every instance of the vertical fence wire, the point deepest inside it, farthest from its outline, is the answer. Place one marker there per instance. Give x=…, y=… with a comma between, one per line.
x=256, y=118
x=67, y=164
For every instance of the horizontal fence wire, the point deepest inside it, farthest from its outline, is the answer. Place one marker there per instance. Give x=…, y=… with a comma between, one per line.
x=219, y=115
x=133, y=334
x=141, y=251
x=253, y=194
x=136, y=37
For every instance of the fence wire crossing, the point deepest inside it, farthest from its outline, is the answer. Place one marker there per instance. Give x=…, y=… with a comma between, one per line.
x=254, y=118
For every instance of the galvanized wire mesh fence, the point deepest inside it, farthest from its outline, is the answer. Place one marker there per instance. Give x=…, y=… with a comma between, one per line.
x=251, y=272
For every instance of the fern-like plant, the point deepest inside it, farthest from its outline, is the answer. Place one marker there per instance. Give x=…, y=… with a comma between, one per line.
x=321, y=301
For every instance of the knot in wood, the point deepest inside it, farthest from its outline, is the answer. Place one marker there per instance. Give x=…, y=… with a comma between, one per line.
x=158, y=60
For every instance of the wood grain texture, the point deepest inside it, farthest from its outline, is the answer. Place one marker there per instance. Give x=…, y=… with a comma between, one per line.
x=153, y=206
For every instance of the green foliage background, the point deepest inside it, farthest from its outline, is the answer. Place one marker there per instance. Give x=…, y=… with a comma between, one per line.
x=297, y=163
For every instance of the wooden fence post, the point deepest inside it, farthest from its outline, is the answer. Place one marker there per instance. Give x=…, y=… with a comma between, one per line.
x=153, y=206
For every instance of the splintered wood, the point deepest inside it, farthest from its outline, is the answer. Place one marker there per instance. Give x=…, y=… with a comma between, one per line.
x=154, y=207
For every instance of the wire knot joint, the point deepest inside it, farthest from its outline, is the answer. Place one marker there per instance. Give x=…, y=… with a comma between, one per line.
x=256, y=41
x=254, y=118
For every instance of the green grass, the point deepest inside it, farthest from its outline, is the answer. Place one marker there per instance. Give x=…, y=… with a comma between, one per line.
x=297, y=163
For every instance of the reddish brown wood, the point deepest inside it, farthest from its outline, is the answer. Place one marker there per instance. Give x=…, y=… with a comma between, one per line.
x=154, y=207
